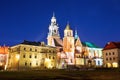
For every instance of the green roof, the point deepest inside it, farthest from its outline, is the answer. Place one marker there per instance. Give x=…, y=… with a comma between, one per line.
x=88, y=44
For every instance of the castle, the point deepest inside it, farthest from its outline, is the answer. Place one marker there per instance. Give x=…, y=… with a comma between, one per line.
x=59, y=53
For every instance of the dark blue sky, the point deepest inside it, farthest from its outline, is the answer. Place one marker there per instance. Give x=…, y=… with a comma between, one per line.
x=97, y=21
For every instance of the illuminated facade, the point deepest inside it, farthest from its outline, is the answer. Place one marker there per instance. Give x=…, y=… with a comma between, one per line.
x=53, y=35
x=93, y=55
x=111, y=55
x=68, y=45
x=57, y=53
x=53, y=39
x=87, y=54
x=32, y=55
x=70, y=50
x=4, y=57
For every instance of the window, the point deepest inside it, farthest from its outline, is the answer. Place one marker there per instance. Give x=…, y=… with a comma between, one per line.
x=110, y=58
x=53, y=57
x=106, y=59
x=30, y=56
x=71, y=60
x=25, y=63
x=113, y=58
x=70, y=46
x=24, y=48
x=113, y=53
x=106, y=54
x=109, y=53
x=30, y=64
x=35, y=50
x=30, y=49
x=9, y=57
x=49, y=57
x=24, y=56
x=36, y=63
x=98, y=62
x=35, y=56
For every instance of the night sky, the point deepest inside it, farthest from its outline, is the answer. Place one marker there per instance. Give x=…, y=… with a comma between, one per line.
x=96, y=21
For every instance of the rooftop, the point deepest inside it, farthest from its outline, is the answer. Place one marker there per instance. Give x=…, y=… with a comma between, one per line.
x=68, y=27
x=91, y=45
x=32, y=43
x=112, y=45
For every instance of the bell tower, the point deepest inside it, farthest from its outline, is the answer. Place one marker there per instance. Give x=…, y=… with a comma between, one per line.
x=53, y=31
x=68, y=44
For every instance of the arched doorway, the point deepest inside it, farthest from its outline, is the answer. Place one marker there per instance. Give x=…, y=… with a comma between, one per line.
x=109, y=65
x=115, y=64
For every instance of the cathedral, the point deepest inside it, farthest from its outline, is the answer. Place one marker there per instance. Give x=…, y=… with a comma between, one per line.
x=70, y=49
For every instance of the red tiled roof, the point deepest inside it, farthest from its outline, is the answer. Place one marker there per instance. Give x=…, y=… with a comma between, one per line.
x=112, y=45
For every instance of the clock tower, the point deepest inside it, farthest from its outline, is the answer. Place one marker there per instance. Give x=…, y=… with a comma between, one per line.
x=53, y=31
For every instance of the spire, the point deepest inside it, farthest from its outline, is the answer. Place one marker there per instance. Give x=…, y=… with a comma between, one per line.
x=76, y=32
x=68, y=26
x=53, y=27
x=76, y=35
x=53, y=14
x=53, y=20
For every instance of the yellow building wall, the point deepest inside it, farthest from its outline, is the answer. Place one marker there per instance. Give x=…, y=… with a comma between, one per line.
x=28, y=56
x=111, y=58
